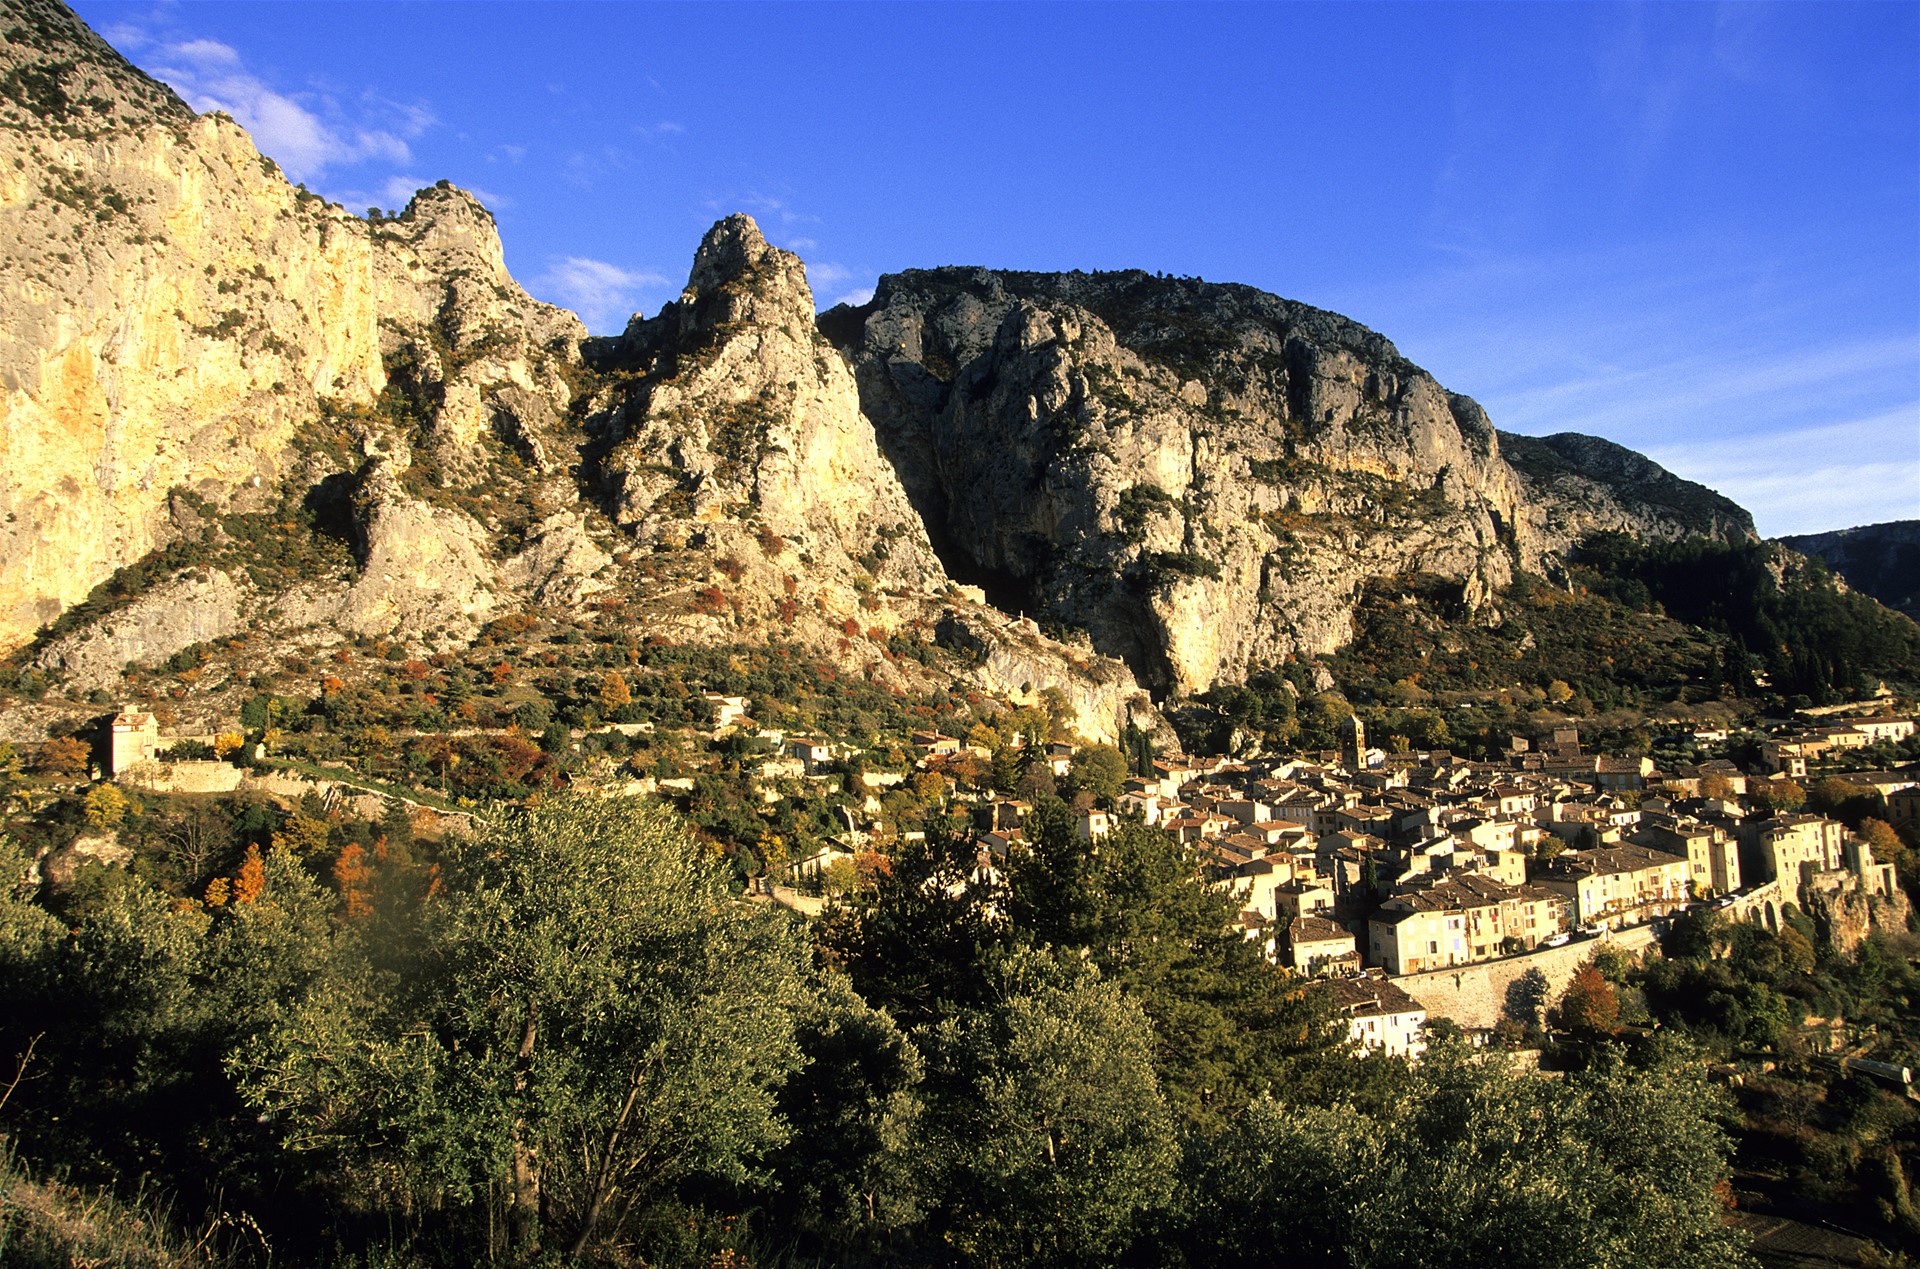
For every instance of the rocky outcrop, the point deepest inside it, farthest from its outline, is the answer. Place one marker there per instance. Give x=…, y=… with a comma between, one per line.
x=738, y=412
x=194, y=607
x=1580, y=485
x=173, y=312
x=561, y=564
x=1843, y=918
x=1883, y=560
x=1202, y=476
x=1010, y=657
x=422, y=567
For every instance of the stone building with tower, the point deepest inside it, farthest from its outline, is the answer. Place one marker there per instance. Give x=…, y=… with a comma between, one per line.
x=1353, y=743
x=133, y=737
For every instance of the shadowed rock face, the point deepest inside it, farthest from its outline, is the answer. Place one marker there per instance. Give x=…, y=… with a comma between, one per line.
x=1883, y=560
x=1204, y=476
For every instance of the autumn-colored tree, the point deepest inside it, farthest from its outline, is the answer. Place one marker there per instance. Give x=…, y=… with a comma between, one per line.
x=1775, y=796
x=302, y=835
x=1716, y=786
x=353, y=874
x=251, y=880
x=1590, y=1005
x=870, y=868
x=219, y=890
x=228, y=743
x=106, y=806
x=614, y=693
x=930, y=786
x=63, y=756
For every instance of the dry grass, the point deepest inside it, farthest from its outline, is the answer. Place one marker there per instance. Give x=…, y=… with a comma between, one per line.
x=46, y=1223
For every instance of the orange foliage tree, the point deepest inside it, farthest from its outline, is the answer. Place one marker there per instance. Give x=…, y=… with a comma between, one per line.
x=353, y=874
x=251, y=880
x=1590, y=1005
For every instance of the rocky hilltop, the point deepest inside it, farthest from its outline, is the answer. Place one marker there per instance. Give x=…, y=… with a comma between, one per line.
x=1204, y=476
x=730, y=409
x=1577, y=485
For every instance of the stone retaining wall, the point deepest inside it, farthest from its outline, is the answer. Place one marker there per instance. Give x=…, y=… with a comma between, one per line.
x=1475, y=995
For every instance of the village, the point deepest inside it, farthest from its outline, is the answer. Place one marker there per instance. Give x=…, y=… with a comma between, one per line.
x=1396, y=875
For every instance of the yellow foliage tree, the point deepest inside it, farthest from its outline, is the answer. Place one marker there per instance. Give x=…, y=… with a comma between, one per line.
x=614, y=693
x=106, y=806
x=303, y=835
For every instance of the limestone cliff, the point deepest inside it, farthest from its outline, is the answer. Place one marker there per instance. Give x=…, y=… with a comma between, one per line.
x=1202, y=476
x=1844, y=918
x=197, y=358
x=736, y=411
x=173, y=312
x=1578, y=485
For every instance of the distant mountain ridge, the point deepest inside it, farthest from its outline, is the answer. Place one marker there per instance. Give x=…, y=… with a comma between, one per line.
x=1882, y=560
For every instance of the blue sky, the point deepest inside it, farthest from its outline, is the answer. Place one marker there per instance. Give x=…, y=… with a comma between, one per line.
x=1693, y=229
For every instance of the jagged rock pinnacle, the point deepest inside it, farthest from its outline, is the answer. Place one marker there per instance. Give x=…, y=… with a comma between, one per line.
x=738, y=277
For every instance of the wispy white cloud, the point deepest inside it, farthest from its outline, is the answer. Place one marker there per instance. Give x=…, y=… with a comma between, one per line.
x=837, y=284
x=307, y=133
x=1621, y=399
x=586, y=169
x=605, y=295
x=1711, y=358
x=1812, y=479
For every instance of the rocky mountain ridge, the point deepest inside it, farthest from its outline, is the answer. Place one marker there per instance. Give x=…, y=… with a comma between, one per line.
x=366, y=426
x=1204, y=475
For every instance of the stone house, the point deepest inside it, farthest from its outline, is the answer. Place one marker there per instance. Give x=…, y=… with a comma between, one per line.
x=1785, y=844
x=1615, y=886
x=1462, y=919
x=1713, y=855
x=133, y=737
x=1317, y=946
x=1380, y=1015
x=727, y=710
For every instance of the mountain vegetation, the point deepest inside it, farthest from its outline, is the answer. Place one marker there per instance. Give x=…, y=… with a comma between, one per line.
x=511, y=694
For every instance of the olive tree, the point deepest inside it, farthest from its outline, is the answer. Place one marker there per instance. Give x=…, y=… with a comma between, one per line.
x=594, y=1016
